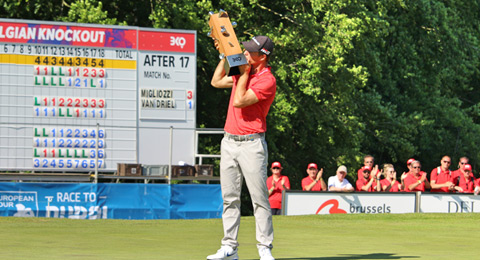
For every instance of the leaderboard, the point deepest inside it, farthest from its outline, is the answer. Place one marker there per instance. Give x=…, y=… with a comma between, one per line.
x=78, y=97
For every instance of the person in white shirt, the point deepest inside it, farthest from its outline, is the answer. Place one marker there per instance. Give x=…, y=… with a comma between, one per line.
x=338, y=182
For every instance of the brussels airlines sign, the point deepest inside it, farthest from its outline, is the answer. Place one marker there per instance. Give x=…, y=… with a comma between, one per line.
x=304, y=203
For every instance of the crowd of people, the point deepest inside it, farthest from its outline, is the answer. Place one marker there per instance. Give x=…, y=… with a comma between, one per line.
x=371, y=178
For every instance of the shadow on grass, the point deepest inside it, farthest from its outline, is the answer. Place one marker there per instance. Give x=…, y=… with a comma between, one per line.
x=353, y=256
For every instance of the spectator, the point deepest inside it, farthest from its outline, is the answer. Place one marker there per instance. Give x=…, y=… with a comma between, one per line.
x=276, y=184
x=338, y=182
x=368, y=160
x=314, y=181
x=457, y=173
x=390, y=183
x=416, y=180
x=405, y=174
x=370, y=179
x=466, y=182
x=441, y=178
x=409, y=163
x=477, y=187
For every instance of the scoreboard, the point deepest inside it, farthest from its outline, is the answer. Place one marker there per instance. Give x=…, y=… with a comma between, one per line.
x=76, y=97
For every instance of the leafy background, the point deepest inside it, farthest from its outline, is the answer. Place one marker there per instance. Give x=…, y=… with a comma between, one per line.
x=395, y=78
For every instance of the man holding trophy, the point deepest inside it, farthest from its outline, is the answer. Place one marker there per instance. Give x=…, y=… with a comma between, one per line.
x=244, y=153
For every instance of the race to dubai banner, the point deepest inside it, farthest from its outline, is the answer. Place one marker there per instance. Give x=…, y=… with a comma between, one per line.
x=110, y=201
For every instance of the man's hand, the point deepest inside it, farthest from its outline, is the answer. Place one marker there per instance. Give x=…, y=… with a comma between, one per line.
x=319, y=174
x=245, y=69
x=424, y=177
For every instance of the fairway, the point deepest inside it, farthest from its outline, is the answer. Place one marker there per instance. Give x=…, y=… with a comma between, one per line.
x=317, y=237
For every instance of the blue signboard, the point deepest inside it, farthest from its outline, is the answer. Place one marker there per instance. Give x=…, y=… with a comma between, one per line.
x=110, y=201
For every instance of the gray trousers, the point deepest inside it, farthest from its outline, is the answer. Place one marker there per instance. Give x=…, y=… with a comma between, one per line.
x=245, y=160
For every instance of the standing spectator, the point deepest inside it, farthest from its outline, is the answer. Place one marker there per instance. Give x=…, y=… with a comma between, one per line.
x=459, y=172
x=244, y=152
x=338, y=182
x=405, y=174
x=368, y=160
x=441, y=178
x=314, y=181
x=370, y=179
x=466, y=182
x=390, y=183
x=416, y=180
x=276, y=184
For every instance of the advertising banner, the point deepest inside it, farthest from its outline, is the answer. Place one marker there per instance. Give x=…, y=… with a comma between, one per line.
x=306, y=203
x=449, y=203
x=110, y=201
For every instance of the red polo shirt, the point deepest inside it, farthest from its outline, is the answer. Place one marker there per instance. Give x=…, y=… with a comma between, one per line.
x=466, y=184
x=276, y=197
x=307, y=180
x=410, y=179
x=441, y=178
x=252, y=119
x=394, y=187
x=362, y=182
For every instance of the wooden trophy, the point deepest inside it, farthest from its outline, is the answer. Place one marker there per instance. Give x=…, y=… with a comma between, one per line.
x=221, y=30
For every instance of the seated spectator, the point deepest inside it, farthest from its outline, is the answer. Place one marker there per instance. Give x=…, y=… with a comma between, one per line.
x=368, y=160
x=276, y=184
x=441, y=178
x=370, y=179
x=390, y=183
x=314, y=181
x=338, y=182
x=466, y=182
x=416, y=180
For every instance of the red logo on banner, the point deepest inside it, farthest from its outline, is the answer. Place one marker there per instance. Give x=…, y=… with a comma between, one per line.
x=334, y=209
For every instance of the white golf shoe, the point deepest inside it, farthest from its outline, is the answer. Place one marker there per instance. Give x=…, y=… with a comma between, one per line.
x=225, y=253
x=265, y=253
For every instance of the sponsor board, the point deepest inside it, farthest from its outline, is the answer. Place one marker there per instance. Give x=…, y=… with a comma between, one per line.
x=446, y=203
x=306, y=203
x=112, y=201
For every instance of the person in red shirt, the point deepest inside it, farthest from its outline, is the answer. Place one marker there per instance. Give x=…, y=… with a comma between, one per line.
x=370, y=179
x=416, y=180
x=276, y=184
x=477, y=187
x=244, y=151
x=457, y=173
x=441, y=178
x=405, y=174
x=368, y=160
x=314, y=181
x=390, y=183
x=409, y=163
x=466, y=180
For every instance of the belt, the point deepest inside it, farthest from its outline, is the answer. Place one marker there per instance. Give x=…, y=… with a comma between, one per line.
x=244, y=138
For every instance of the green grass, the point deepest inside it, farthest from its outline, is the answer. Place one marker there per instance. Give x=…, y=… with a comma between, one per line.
x=321, y=237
